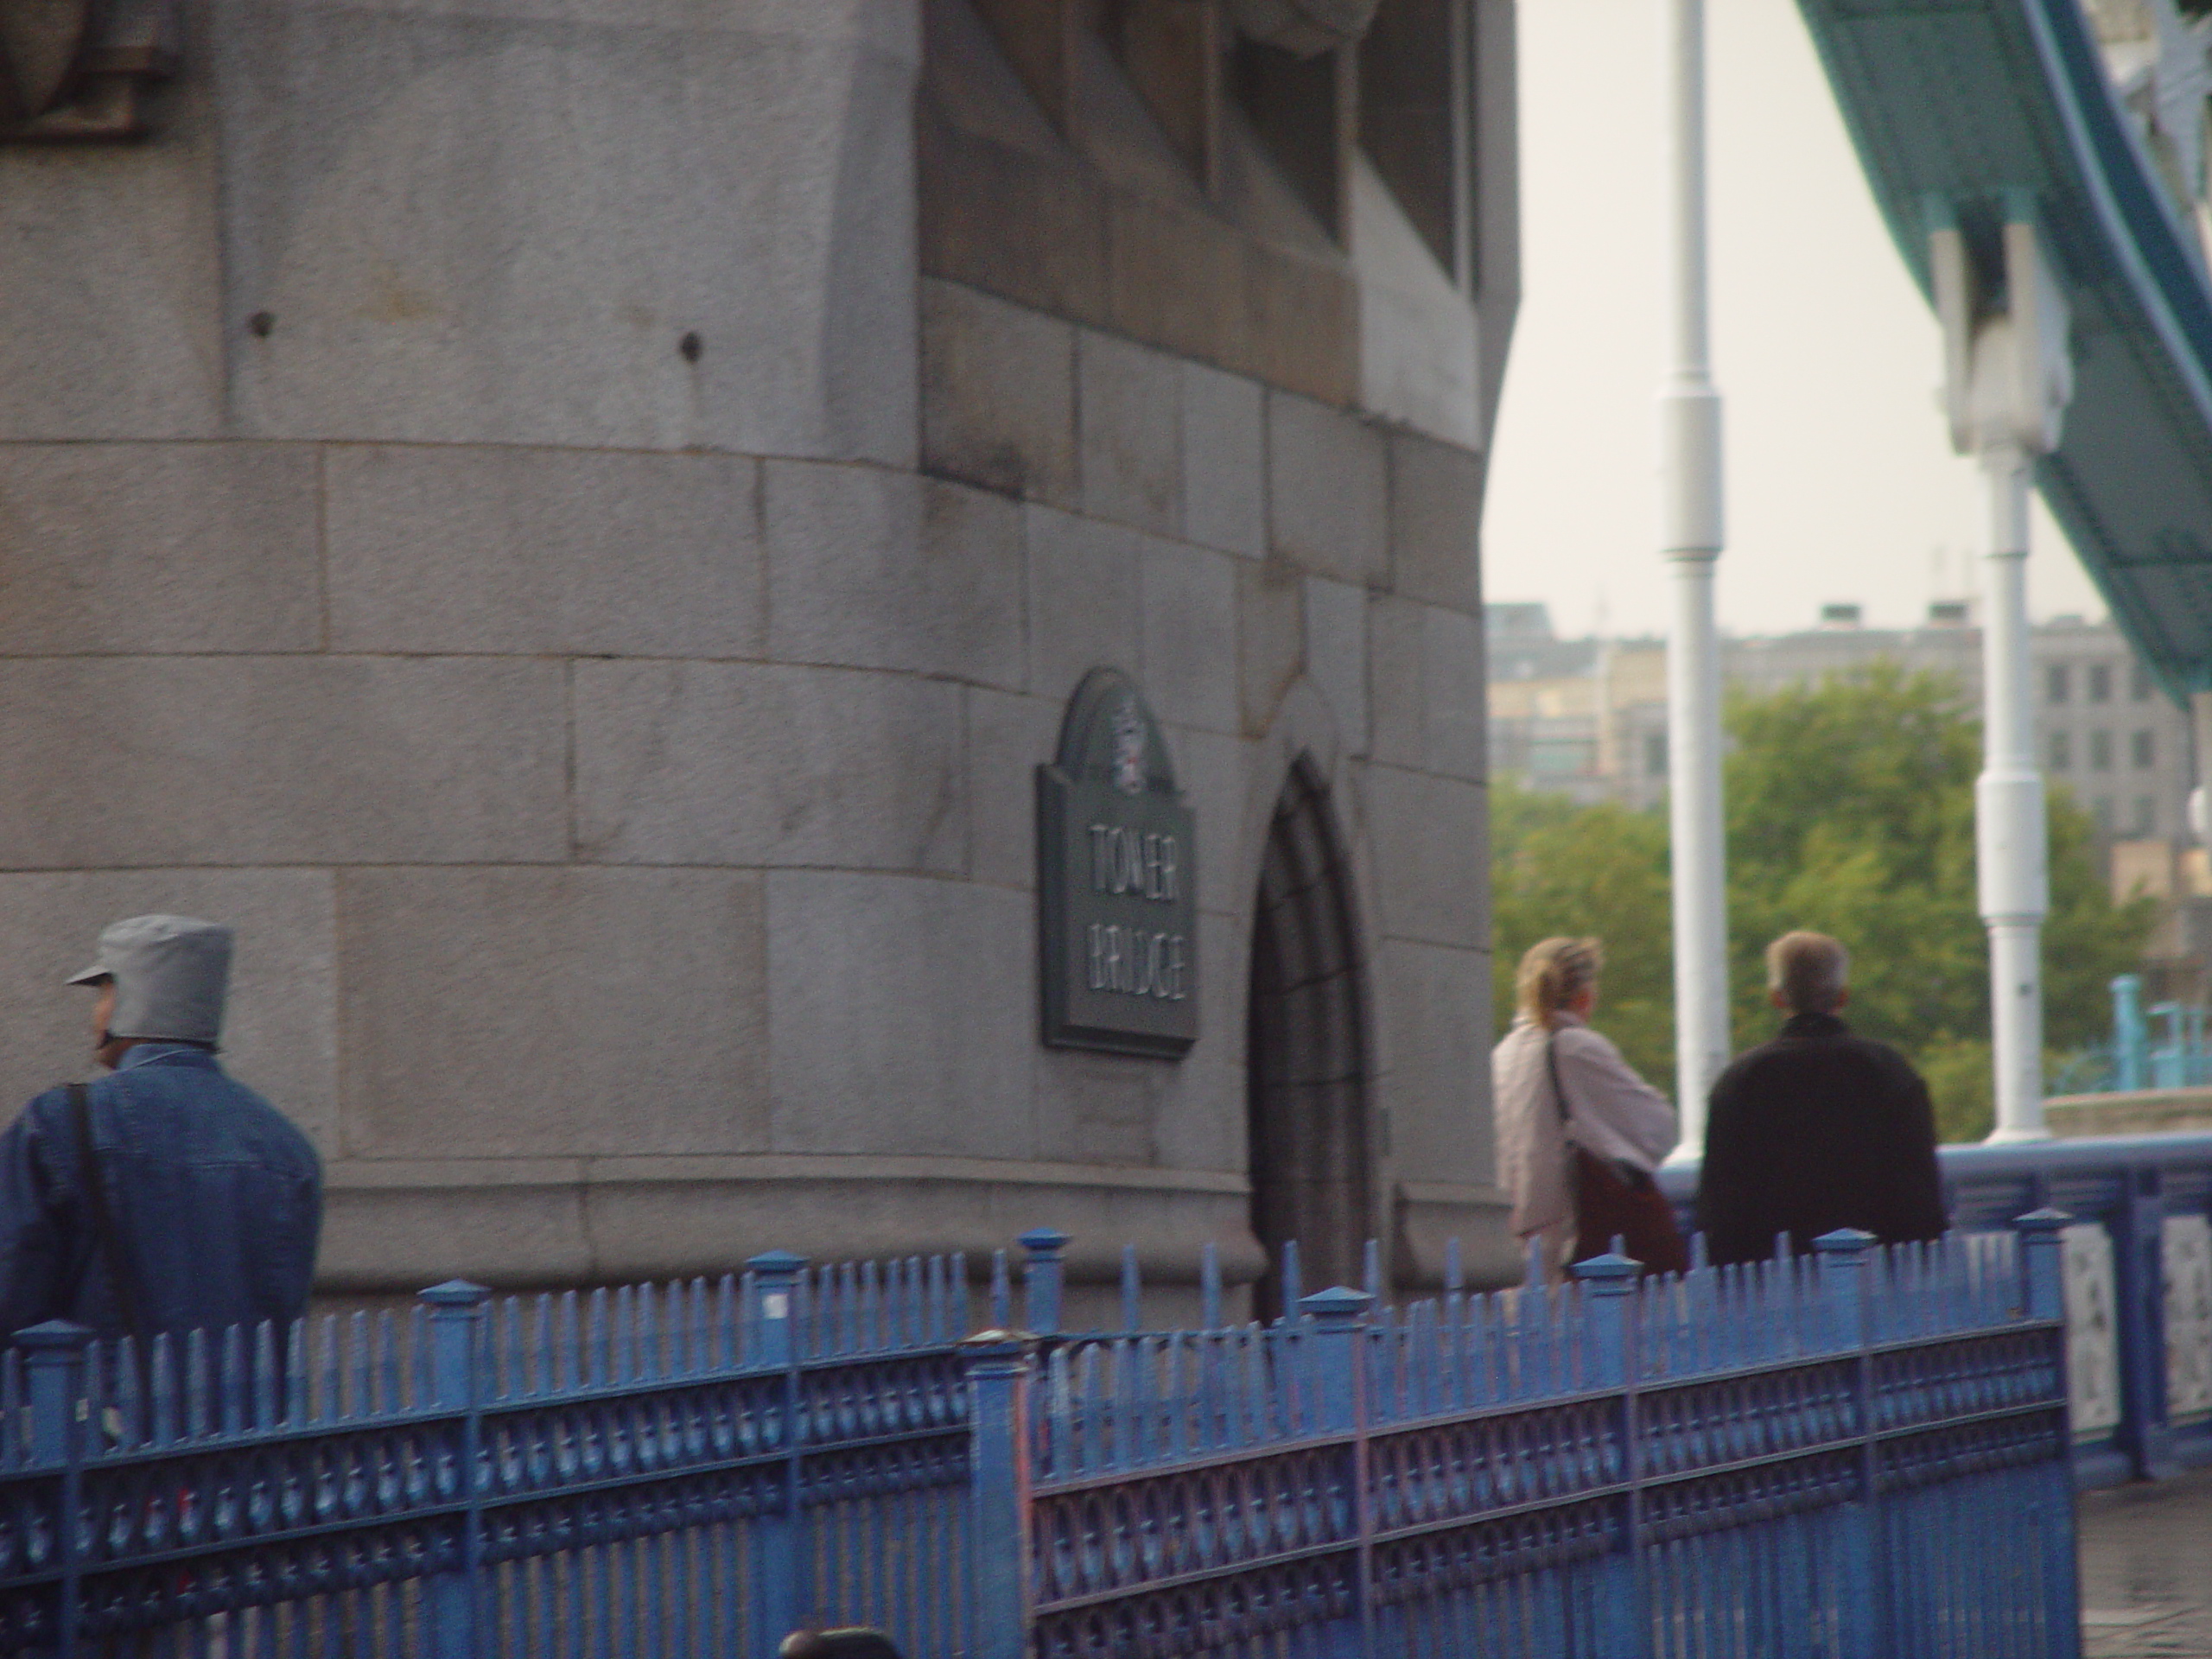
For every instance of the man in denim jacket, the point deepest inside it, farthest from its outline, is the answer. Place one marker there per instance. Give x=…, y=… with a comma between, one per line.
x=209, y=1203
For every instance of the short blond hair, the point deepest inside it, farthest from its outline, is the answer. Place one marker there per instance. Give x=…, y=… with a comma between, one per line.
x=1809, y=969
x=1553, y=973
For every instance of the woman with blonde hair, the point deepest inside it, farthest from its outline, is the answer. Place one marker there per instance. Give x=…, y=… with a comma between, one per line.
x=1578, y=1134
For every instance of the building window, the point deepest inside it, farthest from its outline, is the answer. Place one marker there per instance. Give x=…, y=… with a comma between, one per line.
x=1562, y=757
x=2055, y=678
x=2139, y=683
x=2099, y=751
x=2101, y=809
x=2141, y=751
x=2101, y=683
x=1654, y=754
x=2061, y=751
x=2146, y=816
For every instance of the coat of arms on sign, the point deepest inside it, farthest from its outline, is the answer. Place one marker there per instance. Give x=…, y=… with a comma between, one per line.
x=1128, y=749
x=77, y=70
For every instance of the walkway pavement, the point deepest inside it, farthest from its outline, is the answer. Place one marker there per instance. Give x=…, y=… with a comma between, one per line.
x=2146, y=1570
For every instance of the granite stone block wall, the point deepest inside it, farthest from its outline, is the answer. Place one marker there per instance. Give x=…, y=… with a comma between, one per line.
x=498, y=505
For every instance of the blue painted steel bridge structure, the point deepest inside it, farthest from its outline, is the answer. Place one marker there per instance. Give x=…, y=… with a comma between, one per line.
x=1969, y=111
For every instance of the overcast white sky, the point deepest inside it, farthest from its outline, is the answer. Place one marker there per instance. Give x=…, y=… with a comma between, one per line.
x=1841, y=484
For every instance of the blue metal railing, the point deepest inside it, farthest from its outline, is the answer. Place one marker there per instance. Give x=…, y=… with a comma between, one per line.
x=657, y=1470
x=2138, y=1253
x=1867, y=1456
x=2179, y=1057
x=1780, y=1453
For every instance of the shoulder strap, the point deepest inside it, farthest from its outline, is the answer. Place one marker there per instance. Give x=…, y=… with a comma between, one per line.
x=1559, y=1089
x=107, y=1240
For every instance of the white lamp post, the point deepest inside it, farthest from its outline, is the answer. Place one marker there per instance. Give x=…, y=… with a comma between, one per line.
x=1690, y=538
x=2008, y=373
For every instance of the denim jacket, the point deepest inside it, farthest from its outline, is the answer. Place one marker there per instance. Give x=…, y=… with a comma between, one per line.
x=216, y=1198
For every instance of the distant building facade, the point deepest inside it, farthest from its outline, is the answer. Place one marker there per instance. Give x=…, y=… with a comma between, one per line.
x=1588, y=717
x=1581, y=717
x=576, y=529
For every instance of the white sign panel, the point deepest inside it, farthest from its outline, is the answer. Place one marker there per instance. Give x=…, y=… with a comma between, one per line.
x=2188, y=1253
x=2092, y=1331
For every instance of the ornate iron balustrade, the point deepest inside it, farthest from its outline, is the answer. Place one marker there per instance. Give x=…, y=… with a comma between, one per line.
x=688, y=1469
x=2138, y=1282
x=1771, y=1460
x=1867, y=1456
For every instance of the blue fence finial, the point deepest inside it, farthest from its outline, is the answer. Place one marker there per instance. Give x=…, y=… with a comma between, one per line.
x=1042, y=1278
x=1340, y=1305
x=773, y=1315
x=456, y=1310
x=1843, y=1241
x=54, y=1336
x=1610, y=1275
x=454, y=1292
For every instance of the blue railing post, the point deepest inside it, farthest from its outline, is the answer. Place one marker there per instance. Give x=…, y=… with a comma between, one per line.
x=1607, y=1280
x=779, y=1588
x=1333, y=1363
x=1845, y=1259
x=1330, y=1327
x=2129, y=1037
x=1843, y=1255
x=453, y=1600
x=2167, y=1059
x=53, y=1357
x=1042, y=1279
x=1611, y=1365
x=998, y=1541
x=2138, y=1225
x=2043, y=1286
x=2043, y=1266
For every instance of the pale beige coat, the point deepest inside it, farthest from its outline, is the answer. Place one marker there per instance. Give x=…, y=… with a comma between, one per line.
x=1614, y=1114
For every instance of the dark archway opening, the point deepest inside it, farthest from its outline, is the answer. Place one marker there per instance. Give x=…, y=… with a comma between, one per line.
x=1306, y=1058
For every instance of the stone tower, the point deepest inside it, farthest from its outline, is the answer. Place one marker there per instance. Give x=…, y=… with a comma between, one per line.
x=575, y=525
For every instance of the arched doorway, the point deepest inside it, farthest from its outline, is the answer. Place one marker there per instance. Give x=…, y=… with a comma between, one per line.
x=1306, y=1052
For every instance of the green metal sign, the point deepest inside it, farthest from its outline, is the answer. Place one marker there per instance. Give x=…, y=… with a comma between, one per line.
x=1116, y=881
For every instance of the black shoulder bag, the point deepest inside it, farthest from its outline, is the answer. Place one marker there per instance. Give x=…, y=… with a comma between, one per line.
x=1615, y=1201
x=106, y=1241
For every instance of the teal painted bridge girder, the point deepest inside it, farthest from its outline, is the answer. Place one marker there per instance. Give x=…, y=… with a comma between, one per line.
x=1967, y=108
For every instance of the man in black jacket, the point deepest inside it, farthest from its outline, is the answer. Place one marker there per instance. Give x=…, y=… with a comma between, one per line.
x=1817, y=1129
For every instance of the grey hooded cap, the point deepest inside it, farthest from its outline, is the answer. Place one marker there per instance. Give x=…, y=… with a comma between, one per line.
x=170, y=974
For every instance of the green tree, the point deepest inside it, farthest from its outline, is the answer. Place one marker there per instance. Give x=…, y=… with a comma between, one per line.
x=1559, y=868
x=1850, y=812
